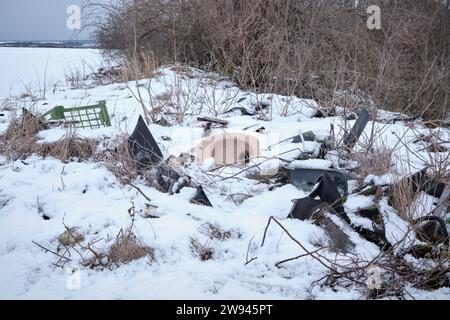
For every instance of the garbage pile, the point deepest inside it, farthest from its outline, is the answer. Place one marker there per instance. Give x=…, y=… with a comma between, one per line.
x=328, y=189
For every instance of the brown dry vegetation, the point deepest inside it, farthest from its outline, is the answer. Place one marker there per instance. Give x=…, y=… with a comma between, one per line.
x=128, y=248
x=377, y=161
x=307, y=48
x=119, y=160
x=69, y=148
x=20, y=140
x=203, y=251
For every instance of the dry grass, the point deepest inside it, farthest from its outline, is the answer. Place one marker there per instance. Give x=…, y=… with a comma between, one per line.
x=69, y=148
x=377, y=161
x=142, y=66
x=439, y=164
x=405, y=192
x=403, y=198
x=215, y=231
x=203, y=251
x=70, y=237
x=311, y=49
x=128, y=248
x=19, y=139
x=120, y=161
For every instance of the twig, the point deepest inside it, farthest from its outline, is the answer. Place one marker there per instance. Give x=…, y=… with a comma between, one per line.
x=140, y=191
x=298, y=257
x=48, y=250
x=248, y=250
x=295, y=240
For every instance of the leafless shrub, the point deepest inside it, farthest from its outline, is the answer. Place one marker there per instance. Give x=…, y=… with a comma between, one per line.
x=180, y=96
x=203, y=251
x=217, y=100
x=164, y=97
x=72, y=244
x=311, y=49
x=128, y=248
x=139, y=67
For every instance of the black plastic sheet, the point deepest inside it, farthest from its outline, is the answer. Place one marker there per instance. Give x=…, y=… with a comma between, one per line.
x=201, y=198
x=328, y=192
x=358, y=128
x=143, y=146
x=305, y=179
x=304, y=208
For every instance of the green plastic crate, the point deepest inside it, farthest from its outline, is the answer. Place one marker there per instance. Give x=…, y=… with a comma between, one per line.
x=93, y=116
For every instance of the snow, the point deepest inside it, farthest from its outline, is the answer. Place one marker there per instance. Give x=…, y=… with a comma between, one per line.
x=310, y=164
x=86, y=195
x=39, y=68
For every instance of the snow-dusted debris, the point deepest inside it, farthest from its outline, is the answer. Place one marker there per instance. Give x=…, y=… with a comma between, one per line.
x=181, y=249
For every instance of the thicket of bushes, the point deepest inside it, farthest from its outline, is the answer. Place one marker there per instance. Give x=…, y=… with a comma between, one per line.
x=310, y=48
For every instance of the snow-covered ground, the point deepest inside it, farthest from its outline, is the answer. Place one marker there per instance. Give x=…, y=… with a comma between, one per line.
x=86, y=195
x=38, y=68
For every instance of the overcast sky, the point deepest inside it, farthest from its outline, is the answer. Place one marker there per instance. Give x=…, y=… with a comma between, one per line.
x=36, y=20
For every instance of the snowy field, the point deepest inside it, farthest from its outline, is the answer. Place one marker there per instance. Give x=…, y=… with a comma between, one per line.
x=39, y=68
x=87, y=196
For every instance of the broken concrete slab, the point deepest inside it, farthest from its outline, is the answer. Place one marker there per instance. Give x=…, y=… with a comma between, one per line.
x=352, y=137
x=143, y=146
